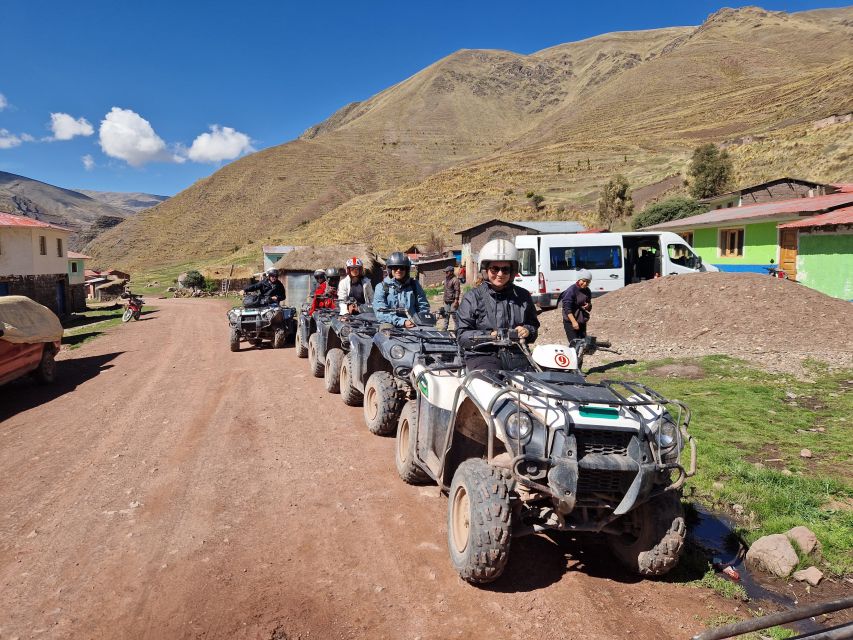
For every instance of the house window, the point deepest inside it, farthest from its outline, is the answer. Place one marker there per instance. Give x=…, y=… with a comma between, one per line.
x=73, y=267
x=687, y=236
x=43, y=245
x=59, y=252
x=731, y=243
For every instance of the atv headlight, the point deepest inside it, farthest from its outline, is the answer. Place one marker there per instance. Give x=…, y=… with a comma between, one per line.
x=667, y=434
x=268, y=313
x=519, y=425
x=397, y=352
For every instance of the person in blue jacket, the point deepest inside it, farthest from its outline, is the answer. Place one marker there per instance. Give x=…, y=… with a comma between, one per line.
x=399, y=291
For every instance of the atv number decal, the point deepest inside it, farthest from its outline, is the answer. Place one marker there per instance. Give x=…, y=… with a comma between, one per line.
x=562, y=360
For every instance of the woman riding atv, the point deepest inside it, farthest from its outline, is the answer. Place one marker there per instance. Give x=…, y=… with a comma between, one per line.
x=355, y=289
x=495, y=305
x=399, y=291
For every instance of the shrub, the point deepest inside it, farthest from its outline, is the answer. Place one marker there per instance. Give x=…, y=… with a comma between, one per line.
x=194, y=280
x=615, y=202
x=711, y=170
x=666, y=210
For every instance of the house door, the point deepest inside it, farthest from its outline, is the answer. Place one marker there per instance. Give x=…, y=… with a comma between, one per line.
x=788, y=252
x=60, y=298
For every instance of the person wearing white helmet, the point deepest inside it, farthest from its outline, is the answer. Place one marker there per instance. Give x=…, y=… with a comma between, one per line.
x=496, y=304
x=354, y=289
x=576, y=306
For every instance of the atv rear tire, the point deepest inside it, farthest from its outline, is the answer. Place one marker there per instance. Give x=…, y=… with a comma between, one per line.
x=407, y=442
x=278, y=339
x=479, y=521
x=301, y=349
x=314, y=362
x=656, y=541
x=46, y=372
x=352, y=397
x=333, y=370
x=382, y=404
x=235, y=340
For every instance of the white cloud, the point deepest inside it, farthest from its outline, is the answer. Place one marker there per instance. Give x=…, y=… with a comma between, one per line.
x=26, y=137
x=88, y=162
x=222, y=143
x=3, y=102
x=65, y=127
x=8, y=139
x=126, y=135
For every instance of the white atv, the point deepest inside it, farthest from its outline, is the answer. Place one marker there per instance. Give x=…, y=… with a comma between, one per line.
x=520, y=452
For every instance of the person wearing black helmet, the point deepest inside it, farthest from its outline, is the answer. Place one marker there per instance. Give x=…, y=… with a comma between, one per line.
x=270, y=288
x=399, y=291
x=496, y=304
x=325, y=294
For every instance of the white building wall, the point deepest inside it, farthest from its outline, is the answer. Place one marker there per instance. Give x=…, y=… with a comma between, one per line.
x=16, y=252
x=52, y=262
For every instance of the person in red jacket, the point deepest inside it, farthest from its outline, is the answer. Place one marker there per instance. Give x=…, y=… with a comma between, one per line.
x=326, y=293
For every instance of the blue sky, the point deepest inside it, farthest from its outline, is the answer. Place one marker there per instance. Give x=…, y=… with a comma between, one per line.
x=136, y=85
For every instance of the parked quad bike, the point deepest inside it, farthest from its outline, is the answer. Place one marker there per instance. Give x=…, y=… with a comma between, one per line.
x=307, y=327
x=380, y=364
x=337, y=369
x=133, y=309
x=258, y=321
x=520, y=452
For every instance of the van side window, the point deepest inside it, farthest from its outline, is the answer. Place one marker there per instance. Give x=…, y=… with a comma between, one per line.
x=527, y=262
x=681, y=255
x=574, y=258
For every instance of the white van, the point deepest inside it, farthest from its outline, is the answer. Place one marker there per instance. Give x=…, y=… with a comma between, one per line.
x=550, y=262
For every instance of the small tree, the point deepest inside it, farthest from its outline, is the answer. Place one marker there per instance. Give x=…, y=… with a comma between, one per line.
x=434, y=244
x=666, y=210
x=711, y=170
x=615, y=202
x=194, y=280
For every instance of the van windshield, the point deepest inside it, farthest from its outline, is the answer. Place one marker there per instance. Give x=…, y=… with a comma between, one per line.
x=527, y=262
x=574, y=258
x=681, y=255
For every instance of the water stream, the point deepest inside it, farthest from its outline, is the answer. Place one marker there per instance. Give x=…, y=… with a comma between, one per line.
x=713, y=533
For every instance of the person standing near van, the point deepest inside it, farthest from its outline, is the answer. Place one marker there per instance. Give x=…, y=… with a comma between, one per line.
x=577, y=305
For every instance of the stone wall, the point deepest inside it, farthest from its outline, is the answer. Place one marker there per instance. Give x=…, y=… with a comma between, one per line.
x=44, y=289
x=77, y=298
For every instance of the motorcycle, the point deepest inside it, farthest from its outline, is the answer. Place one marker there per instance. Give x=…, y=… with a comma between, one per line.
x=133, y=306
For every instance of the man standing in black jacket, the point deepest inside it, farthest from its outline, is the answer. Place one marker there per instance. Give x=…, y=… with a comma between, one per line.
x=271, y=289
x=496, y=304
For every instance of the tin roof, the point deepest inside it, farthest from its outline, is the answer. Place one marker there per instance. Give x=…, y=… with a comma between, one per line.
x=11, y=220
x=278, y=248
x=73, y=255
x=540, y=226
x=759, y=212
x=838, y=216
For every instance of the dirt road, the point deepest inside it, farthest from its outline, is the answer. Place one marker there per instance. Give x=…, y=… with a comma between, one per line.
x=168, y=488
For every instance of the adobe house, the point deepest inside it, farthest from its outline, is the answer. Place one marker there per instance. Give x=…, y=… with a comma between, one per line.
x=473, y=238
x=752, y=237
x=430, y=272
x=34, y=262
x=825, y=252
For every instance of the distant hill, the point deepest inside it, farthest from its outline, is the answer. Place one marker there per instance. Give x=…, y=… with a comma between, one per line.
x=132, y=202
x=85, y=216
x=469, y=136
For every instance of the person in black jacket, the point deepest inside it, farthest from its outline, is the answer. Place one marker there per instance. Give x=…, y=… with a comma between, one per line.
x=271, y=289
x=496, y=304
x=576, y=306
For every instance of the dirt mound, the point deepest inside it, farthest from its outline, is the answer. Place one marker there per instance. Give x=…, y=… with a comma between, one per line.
x=774, y=323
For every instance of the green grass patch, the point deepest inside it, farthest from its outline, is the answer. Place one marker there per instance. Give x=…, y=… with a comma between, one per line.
x=750, y=427
x=88, y=325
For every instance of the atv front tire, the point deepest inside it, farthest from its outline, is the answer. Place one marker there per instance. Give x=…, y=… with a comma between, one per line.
x=235, y=340
x=314, y=362
x=46, y=372
x=382, y=404
x=351, y=396
x=479, y=521
x=301, y=349
x=278, y=339
x=333, y=370
x=407, y=442
x=655, y=541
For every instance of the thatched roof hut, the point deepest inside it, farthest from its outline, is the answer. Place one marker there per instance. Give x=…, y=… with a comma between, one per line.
x=308, y=259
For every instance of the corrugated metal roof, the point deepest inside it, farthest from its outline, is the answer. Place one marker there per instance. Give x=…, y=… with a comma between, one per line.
x=11, y=220
x=277, y=248
x=839, y=216
x=844, y=187
x=553, y=226
x=73, y=255
x=756, y=212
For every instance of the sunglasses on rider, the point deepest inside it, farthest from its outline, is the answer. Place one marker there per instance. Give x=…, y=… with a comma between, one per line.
x=398, y=268
x=494, y=270
x=272, y=276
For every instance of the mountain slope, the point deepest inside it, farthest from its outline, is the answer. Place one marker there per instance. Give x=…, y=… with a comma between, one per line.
x=72, y=209
x=467, y=137
x=131, y=202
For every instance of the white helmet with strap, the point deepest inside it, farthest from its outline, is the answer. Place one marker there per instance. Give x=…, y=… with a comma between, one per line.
x=354, y=262
x=499, y=250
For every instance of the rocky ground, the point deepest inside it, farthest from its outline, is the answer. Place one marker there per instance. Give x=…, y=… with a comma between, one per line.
x=165, y=487
x=776, y=324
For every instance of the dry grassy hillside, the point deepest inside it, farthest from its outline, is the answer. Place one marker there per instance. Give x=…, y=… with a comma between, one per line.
x=467, y=137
